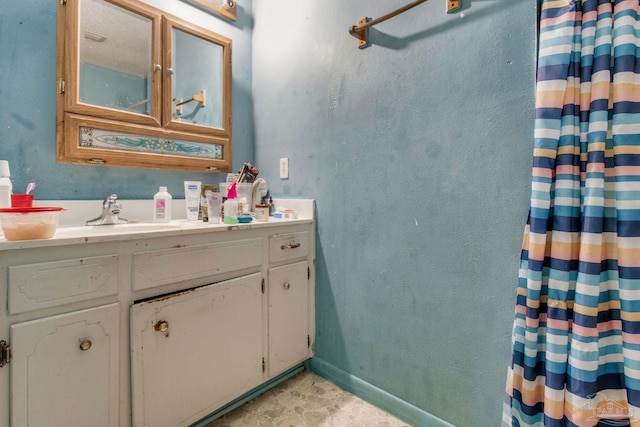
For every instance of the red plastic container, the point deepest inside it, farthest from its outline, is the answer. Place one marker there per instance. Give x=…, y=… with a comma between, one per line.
x=21, y=200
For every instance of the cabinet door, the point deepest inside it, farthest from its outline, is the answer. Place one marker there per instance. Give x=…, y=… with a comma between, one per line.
x=65, y=370
x=116, y=80
x=194, y=351
x=288, y=316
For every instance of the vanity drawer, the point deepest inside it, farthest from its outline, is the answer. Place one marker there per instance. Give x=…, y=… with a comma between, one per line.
x=284, y=247
x=165, y=266
x=50, y=284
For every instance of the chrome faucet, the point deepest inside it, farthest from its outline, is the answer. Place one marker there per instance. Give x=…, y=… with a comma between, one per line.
x=110, y=212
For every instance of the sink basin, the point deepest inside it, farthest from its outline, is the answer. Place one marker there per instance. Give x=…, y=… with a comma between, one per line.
x=134, y=227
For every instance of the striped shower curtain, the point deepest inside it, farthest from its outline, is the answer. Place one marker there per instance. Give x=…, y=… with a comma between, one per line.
x=576, y=335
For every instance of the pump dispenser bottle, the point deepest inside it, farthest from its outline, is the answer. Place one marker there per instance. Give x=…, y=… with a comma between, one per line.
x=231, y=205
x=272, y=207
x=5, y=185
x=162, y=206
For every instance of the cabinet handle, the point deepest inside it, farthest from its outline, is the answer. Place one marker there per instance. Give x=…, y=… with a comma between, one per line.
x=287, y=286
x=290, y=246
x=161, y=326
x=157, y=67
x=170, y=71
x=85, y=345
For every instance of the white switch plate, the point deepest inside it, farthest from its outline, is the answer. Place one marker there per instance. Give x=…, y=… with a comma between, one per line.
x=284, y=168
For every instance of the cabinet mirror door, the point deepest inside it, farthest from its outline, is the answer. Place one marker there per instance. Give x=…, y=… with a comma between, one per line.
x=118, y=63
x=198, y=80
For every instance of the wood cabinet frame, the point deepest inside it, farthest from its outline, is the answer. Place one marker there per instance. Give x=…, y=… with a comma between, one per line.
x=72, y=114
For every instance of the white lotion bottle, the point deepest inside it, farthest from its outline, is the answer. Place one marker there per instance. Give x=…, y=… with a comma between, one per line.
x=5, y=185
x=162, y=205
x=192, y=199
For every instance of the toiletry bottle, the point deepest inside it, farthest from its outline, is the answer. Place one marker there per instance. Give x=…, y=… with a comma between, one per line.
x=162, y=206
x=243, y=206
x=272, y=207
x=5, y=185
x=192, y=199
x=231, y=205
x=204, y=210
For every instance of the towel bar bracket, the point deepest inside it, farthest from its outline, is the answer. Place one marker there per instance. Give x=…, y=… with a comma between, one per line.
x=361, y=33
x=453, y=5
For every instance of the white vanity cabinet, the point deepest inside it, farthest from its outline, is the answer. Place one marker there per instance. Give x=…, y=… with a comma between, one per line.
x=65, y=370
x=289, y=338
x=194, y=351
x=289, y=287
x=151, y=329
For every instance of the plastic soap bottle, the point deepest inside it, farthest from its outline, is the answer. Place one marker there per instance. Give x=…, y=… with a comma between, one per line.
x=162, y=205
x=231, y=205
x=5, y=185
x=272, y=207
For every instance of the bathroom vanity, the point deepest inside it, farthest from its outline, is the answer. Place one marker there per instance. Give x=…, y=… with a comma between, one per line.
x=151, y=326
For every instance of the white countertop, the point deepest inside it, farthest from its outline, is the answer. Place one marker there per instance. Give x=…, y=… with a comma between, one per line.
x=71, y=228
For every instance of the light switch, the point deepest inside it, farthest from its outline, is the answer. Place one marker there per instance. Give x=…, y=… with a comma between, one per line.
x=284, y=168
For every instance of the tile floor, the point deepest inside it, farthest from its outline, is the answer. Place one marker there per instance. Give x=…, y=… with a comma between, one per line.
x=307, y=400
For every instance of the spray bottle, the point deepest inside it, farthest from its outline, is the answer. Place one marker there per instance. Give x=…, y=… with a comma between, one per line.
x=231, y=205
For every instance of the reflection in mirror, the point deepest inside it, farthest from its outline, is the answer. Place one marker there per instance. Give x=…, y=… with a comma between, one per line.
x=115, y=57
x=197, y=80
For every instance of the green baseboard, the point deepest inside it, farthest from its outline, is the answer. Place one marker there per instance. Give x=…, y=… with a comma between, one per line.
x=408, y=413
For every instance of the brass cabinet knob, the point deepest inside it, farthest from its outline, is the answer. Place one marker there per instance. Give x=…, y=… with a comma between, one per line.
x=161, y=326
x=85, y=345
x=287, y=285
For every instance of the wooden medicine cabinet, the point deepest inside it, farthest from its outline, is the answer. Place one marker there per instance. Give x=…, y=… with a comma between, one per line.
x=138, y=87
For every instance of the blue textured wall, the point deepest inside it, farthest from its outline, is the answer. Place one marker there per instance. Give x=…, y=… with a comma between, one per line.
x=27, y=106
x=418, y=152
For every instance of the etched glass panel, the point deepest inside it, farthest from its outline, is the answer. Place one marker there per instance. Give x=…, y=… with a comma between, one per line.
x=105, y=139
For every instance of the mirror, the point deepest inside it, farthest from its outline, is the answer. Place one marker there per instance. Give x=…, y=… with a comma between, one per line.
x=115, y=65
x=141, y=88
x=197, y=91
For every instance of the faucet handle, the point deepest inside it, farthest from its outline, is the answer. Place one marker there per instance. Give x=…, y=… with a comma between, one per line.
x=110, y=199
x=110, y=211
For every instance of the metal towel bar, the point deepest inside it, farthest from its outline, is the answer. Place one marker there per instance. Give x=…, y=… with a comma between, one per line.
x=360, y=31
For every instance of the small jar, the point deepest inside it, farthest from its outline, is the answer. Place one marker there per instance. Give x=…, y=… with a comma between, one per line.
x=262, y=213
